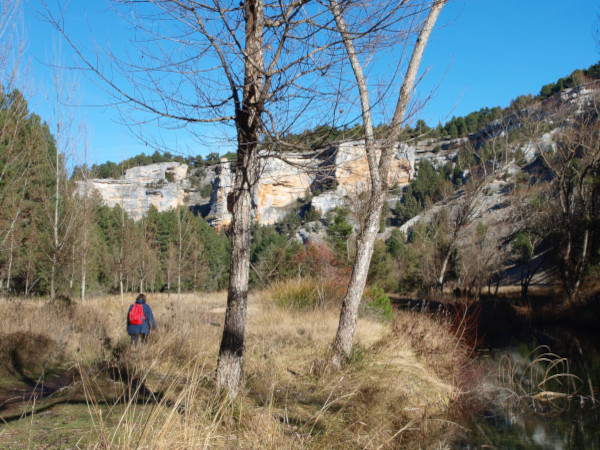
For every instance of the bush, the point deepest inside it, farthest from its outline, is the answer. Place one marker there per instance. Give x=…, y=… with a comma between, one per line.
x=376, y=302
x=312, y=214
x=206, y=190
x=339, y=231
x=326, y=291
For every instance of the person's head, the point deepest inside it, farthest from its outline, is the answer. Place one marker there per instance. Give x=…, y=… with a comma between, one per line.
x=141, y=297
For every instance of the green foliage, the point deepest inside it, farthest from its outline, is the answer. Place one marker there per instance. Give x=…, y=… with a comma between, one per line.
x=381, y=270
x=408, y=207
x=429, y=186
x=289, y=224
x=376, y=302
x=395, y=243
x=110, y=169
x=577, y=77
x=522, y=249
x=312, y=214
x=339, y=230
x=481, y=230
x=206, y=190
x=271, y=255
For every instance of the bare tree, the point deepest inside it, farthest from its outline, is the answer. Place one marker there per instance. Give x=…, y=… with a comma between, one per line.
x=60, y=208
x=255, y=65
x=572, y=165
x=379, y=156
x=460, y=215
x=531, y=218
x=184, y=240
x=199, y=265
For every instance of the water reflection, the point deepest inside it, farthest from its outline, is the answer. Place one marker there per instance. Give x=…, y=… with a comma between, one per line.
x=547, y=395
x=575, y=429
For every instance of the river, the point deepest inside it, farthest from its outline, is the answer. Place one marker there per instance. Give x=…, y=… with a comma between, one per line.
x=546, y=379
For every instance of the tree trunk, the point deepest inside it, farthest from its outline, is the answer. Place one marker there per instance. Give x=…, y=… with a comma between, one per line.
x=84, y=261
x=443, y=270
x=121, y=290
x=378, y=171
x=52, y=277
x=9, y=272
x=248, y=117
x=229, y=371
x=83, y=277
x=364, y=251
x=72, y=277
x=55, y=247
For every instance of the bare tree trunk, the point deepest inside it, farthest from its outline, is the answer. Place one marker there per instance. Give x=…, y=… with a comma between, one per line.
x=55, y=224
x=443, y=270
x=83, y=280
x=230, y=364
x=72, y=277
x=229, y=370
x=10, y=263
x=364, y=252
x=84, y=264
x=378, y=171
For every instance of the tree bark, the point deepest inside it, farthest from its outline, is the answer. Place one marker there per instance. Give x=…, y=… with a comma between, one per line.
x=248, y=117
x=443, y=270
x=378, y=171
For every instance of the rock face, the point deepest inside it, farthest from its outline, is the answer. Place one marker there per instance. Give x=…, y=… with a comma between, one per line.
x=330, y=177
x=162, y=185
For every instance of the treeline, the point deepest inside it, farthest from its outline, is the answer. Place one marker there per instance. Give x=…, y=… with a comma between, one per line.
x=577, y=78
x=110, y=169
x=455, y=127
x=323, y=135
x=56, y=238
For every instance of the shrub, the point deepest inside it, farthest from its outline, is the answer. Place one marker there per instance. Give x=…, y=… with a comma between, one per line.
x=376, y=302
x=312, y=214
x=311, y=292
x=206, y=190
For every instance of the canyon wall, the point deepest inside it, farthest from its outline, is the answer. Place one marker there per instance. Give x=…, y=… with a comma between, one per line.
x=330, y=178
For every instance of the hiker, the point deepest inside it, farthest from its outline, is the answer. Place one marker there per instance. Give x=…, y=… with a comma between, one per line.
x=140, y=320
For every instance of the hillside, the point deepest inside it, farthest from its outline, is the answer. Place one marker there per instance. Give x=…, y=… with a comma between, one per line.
x=327, y=178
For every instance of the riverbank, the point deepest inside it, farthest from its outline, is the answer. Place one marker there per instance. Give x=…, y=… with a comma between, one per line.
x=398, y=390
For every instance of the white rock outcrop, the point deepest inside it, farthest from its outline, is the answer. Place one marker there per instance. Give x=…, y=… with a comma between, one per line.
x=141, y=187
x=341, y=171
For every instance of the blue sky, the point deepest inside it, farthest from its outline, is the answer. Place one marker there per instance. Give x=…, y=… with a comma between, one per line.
x=484, y=53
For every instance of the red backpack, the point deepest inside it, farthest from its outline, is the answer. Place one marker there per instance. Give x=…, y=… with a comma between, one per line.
x=136, y=314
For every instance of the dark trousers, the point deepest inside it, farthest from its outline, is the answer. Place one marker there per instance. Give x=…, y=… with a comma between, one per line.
x=140, y=336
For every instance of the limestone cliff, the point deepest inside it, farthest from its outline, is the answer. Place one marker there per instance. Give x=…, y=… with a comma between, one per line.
x=162, y=185
x=331, y=177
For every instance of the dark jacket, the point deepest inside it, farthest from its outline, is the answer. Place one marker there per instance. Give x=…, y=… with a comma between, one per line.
x=148, y=322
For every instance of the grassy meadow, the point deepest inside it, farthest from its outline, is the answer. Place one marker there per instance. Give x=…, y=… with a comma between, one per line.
x=398, y=390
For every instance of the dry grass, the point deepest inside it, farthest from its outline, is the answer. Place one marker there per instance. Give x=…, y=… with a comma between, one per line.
x=395, y=392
